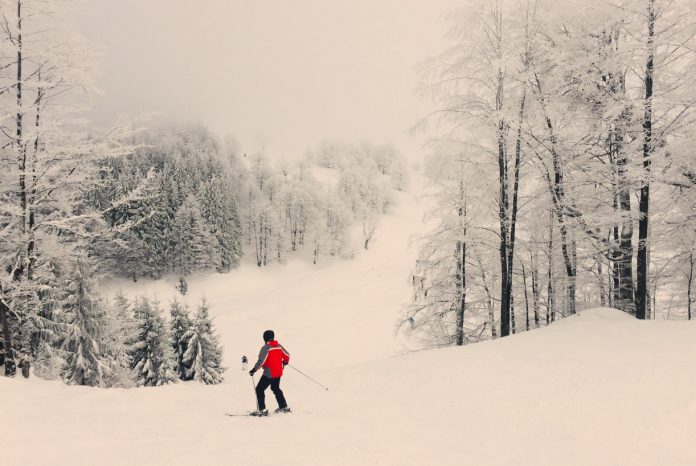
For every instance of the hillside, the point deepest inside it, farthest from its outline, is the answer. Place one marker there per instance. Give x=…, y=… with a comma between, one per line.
x=599, y=388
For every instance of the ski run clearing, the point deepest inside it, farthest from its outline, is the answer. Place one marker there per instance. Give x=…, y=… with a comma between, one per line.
x=599, y=388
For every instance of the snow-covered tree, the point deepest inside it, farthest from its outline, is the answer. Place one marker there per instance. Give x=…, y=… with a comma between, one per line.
x=191, y=178
x=301, y=210
x=194, y=247
x=368, y=218
x=452, y=301
x=203, y=357
x=586, y=109
x=46, y=161
x=399, y=174
x=219, y=209
x=180, y=326
x=331, y=236
x=473, y=82
x=87, y=360
x=152, y=360
x=121, y=328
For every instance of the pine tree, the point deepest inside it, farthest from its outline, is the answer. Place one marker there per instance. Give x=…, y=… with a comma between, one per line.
x=120, y=334
x=194, y=245
x=180, y=325
x=87, y=362
x=219, y=209
x=182, y=286
x=151, y=355
x=204, y=354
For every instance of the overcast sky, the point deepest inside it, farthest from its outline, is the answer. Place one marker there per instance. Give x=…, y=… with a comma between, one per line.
x=282, y=73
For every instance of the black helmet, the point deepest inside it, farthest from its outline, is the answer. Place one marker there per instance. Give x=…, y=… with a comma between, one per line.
x=268, y=335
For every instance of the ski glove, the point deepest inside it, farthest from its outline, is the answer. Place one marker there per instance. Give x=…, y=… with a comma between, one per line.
x=251, y=372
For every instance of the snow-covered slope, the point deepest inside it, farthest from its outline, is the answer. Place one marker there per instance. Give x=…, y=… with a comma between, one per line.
x=599, y=388
x=348, y=305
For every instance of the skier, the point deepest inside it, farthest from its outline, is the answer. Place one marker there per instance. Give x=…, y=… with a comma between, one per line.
x=244, y=362
x=272, y=358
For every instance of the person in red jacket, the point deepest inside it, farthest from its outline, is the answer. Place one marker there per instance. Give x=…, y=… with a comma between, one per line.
x=272, y=358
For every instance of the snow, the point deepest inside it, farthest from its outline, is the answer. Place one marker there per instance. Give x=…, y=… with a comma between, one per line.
x=599, y=388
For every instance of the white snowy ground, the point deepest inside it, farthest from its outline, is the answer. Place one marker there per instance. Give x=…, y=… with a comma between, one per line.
x=597, y=389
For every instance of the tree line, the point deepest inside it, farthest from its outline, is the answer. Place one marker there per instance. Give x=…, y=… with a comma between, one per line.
x=288, y=208
x=563, y=168
x=122, y=343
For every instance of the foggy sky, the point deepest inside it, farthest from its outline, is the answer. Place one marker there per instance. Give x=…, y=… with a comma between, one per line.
x=282, y=74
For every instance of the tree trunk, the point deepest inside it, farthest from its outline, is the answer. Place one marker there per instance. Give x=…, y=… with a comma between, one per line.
x=644, y=202
x=526, y=296
x=600, y=282
x=31, y=253
x=625, y=263
x=489, y=302
x=535, y=285
x=489, y=297
x=316, y=248
x=551, y=293
x=688, y=286
x=503, y=196
x=10, y=365
x=460, y=274
x=623, y=229
x=266, y=239
x=257, y=241
x=615, y=274
x=21, y=149
x=559, y=202
x=461, y=290
x=504, y=233
x=515, y=195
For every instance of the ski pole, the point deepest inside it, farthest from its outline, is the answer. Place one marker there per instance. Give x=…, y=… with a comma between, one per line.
x=253, y=384
x=322, y=386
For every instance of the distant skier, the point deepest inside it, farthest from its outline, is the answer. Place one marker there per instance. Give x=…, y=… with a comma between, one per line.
x=272, y=358
x=244, y=362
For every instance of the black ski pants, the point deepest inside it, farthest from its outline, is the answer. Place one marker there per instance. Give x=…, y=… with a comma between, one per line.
x=261, y=387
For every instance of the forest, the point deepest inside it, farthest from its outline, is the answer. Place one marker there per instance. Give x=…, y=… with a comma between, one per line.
x=561, y=167
x=81, y=205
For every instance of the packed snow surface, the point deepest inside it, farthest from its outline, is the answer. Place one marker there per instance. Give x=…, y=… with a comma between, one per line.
x=599, y=388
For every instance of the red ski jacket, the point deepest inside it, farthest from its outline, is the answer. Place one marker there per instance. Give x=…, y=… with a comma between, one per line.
x=271, y=358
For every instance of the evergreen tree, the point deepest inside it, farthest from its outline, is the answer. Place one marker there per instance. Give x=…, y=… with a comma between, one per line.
x=151, y=355
x=180, y=325
x=120, y=332
x=87, y=362
x=194, y=245
x=219, y=209
x=204, y=354
x=182, y=286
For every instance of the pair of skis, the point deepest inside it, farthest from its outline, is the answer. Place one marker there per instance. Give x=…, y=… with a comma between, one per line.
x=253, y=414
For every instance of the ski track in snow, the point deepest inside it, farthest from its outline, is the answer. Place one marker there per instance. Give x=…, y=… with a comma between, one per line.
x=597, y=389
